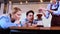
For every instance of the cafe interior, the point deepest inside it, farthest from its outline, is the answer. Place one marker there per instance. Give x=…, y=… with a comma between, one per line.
x=6, y=7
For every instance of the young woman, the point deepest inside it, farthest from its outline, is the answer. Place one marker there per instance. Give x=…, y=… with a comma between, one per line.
x=12, y=19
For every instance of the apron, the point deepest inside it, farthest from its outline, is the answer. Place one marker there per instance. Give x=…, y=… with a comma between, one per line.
x=55, y=19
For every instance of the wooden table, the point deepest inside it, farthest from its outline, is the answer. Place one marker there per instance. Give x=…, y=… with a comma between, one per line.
x=36, y=28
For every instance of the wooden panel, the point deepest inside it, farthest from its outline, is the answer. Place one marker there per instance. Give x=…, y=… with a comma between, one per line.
x=46, y=0
x=16, y=1
x=1, y=0
x=36, y=28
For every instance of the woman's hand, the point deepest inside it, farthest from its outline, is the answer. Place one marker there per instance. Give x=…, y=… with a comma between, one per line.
x=17, y=22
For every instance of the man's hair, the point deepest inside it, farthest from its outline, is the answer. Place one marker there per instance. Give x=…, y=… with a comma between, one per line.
x=30, y=11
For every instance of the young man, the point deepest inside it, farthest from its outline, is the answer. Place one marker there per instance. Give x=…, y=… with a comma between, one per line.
x=29, y=21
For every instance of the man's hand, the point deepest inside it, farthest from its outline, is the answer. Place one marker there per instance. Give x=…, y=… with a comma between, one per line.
x=43, y=10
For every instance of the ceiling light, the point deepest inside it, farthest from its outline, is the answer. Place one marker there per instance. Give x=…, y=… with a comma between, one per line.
x=26, y=1
x=41, y=0
x=20, y=2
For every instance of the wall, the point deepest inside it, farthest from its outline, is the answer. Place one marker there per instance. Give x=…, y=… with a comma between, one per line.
x=35, y=8
x=28, y=7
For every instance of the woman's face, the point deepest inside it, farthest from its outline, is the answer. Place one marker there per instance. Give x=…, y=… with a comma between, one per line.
x=17, y=15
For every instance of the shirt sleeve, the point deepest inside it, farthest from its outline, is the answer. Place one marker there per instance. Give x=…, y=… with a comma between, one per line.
x=47, y=12
x=5, y=24
x=57, y=12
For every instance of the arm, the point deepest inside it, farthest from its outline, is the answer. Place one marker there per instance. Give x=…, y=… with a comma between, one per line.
x=47, y=13
x=55, y=12
x=5, y=24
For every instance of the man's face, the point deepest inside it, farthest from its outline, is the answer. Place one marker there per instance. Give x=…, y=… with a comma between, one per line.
x=30, y=16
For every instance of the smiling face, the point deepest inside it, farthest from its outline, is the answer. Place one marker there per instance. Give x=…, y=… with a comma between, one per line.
x=30, y=15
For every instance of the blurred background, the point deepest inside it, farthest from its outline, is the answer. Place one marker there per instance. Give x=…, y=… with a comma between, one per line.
x=6, y=6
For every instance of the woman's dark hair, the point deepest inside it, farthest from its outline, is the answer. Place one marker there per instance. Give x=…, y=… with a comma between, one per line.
x=30, y=11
